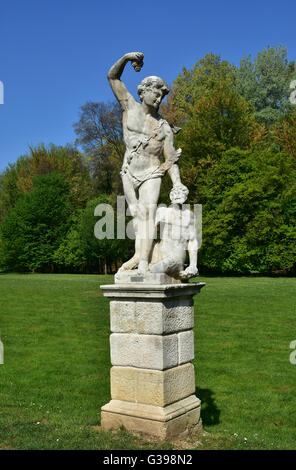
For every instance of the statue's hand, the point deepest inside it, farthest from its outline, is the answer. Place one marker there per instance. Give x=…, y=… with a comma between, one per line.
x=189, y=272
x=138, y=56
x=136, y=59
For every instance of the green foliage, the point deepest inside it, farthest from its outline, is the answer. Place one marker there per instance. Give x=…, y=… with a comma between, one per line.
x=71, y=252
x=81, y=250
x=221, y=120
x=265, y=83
x=99, y=133
x=18, y=178
x=34, y=228
x=9, y=190
x=201, y=80
x=238, y=160
x=284, y=134
x=214, y=118
x=250, y=214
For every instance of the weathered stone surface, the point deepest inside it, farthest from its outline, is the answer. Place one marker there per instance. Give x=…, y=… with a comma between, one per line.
x=149, y=317
x=154, y=317
x=153, y=387
x=123, y=316
x=144, y=351
x=180, y=418
x=179, y=382
x=151, y=291
x=123, y=277
x=149, y=139
x=185, y=346
x=152, y=378
x=178, y=315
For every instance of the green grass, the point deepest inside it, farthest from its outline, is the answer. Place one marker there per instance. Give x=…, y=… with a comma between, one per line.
x=55, y=330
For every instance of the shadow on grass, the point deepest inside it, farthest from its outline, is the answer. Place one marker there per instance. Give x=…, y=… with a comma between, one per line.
x=210, y=414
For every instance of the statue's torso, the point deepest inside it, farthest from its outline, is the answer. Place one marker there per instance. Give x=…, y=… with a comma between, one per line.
x=144, y=139
x=175, y=226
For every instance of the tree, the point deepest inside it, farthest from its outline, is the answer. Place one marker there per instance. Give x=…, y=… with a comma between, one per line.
x=221, y=119
x=285, y=135
x=265, y=83
x=81, y=250
x=99, y=132
x=9, y=191
x=249, y=218
x=191, y=85
x=35, y=227
x=18, y=178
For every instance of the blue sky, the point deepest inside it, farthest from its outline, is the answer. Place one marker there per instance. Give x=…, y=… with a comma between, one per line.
x=55, y=54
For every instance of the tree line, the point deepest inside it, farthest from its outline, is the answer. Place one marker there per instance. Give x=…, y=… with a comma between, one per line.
x=238, y=161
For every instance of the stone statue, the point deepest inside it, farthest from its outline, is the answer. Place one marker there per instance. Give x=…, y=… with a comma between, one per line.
x=178, y=234
x=152, y=378
x=148, y=137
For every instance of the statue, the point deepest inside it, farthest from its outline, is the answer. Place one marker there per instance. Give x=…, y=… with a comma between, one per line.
x=152, y=378
x=148, y=137
x=178, y=234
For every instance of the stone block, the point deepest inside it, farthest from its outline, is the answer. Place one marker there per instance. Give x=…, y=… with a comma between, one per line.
x=178, y=315
x=144, y=351
x=149, y=317
x=152, y=346
x=180, y=418
x=153, y=387
x=122, y=316
x=155, y=317
x=185, y=346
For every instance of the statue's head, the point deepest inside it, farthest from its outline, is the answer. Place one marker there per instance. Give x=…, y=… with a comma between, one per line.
x=152, y=90
x=178, y=194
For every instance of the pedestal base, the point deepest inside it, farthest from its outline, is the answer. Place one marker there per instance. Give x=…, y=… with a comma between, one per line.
x=178, y=419
x=152, y=346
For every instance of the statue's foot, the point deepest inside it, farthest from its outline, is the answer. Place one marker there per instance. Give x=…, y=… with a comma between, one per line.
x=142, y=268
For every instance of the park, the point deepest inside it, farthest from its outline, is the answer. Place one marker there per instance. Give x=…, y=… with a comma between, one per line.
x=147, y=234
x=56, y=375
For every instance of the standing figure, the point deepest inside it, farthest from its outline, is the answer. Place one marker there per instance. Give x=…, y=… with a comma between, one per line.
x=147, y=137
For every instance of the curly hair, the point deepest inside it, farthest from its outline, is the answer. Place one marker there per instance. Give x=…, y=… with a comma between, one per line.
x=150, y=82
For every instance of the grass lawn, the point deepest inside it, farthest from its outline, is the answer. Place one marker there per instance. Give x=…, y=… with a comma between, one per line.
x=55, y=330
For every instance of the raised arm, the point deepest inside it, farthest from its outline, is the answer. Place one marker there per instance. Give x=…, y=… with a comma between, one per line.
x=118, y=87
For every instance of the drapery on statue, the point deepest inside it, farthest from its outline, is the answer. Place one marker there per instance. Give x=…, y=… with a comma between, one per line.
x=147, y=137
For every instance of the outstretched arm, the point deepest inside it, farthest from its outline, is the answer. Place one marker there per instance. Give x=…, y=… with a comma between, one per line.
x=118, y=87
x=192, y=247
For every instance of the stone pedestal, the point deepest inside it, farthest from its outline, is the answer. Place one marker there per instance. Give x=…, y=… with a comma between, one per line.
x=152, y=346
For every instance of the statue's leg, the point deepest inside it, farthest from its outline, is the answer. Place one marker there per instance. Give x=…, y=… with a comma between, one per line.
x=148, y=199
x=167, y=265
x=130, y=264
x=130, y=194
x=132, y=202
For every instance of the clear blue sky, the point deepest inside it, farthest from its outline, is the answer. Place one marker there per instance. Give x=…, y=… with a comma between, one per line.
x=55, y=54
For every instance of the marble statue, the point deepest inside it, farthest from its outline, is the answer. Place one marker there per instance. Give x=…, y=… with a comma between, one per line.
x=148, y=139
x=152, y=378
x=178, y=234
